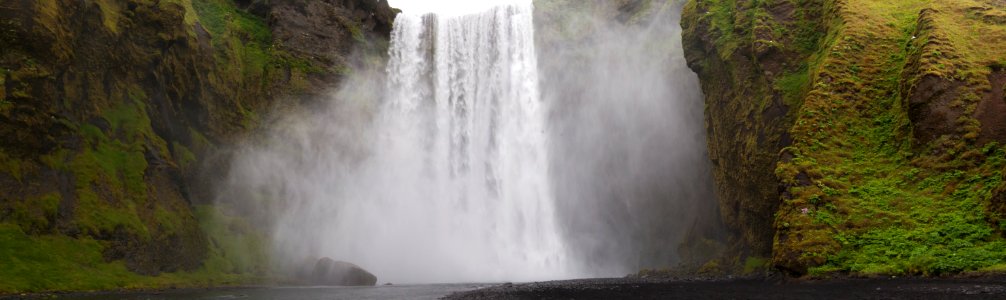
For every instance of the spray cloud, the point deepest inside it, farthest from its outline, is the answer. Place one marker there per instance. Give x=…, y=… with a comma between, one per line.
x=484, y=154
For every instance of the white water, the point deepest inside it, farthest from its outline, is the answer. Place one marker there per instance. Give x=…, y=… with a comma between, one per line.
x=459, y=181
x=450, y=182
x=448, y=7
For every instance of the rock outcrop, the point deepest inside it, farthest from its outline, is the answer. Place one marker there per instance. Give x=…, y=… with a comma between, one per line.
x=855, y=136
x=339, y=273
x=748, y=116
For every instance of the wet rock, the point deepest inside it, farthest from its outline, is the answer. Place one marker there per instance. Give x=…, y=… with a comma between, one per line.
x=330, y=272
x=305, y=28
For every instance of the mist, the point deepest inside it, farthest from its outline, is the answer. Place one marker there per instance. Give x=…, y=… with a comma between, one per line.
x=491, y=149
x=630, y=168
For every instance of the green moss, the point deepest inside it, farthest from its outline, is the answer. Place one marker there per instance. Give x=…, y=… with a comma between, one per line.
x=126, y=164
x=300, y=69
x=285, y=59
x=183, y=156
x=35, y=214
x=807, y=37
x=745, y=55
x=874, y=203
x=995, y=269
x=917, y=227
x=168, y=221
x=130, y=123
x=190, y=12
x=111, y=13
x=92, y=134
x=249, y=119
x=246, y=56
x=110, y=172
x=235, y=247
x=755, y=264
x=213, y=15
x=722, y=16
x=100, y=171
x=354, y=30
x=5, y=104
x=39, y=263
x=794, y=86
x=199, y=141
x=112, y=194
x=239, y=35
x=98, y=214
x=130, y=119
x=11, y=165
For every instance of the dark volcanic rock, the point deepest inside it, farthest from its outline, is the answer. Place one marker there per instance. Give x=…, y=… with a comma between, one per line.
x=340, y=273
x=325, y=32
x=971, y=288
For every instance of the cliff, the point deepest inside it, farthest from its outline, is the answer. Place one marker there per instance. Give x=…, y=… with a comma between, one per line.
x=112, y=111
x=856, y=137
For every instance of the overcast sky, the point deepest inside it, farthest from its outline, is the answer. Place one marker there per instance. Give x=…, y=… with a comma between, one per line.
x=448, y=7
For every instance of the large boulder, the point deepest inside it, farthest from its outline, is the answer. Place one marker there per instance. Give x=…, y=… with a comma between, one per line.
x=330, y=272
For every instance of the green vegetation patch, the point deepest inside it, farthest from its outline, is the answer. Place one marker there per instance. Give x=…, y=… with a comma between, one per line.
x=110, y=14
x=722, y=16
x=863, y=198
x=110, y=171
x=238, y=34
x=794, y=86
x=105, y=170
x=55, y=262
x=927, y=224
x=35, y=214
x=11, y=165
x=756, y=264
x=235, y=246
x=183, y=156
x=246, y=56
x=39, y=263
x=111, y=192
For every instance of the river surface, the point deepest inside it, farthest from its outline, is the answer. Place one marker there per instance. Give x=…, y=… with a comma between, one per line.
x=293, y=293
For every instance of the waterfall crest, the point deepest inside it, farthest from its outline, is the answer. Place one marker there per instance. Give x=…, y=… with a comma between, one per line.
x=462, y=151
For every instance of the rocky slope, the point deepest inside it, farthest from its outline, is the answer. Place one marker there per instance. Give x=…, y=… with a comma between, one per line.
x=855, y=136
x=110, y=111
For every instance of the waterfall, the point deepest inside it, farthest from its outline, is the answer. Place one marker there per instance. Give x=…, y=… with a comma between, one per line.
x=445, y=178
x=459, y=162
x=461, y=165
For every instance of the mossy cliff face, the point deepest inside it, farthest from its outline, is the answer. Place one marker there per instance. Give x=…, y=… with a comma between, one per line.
x=856, y=136
x=109, y=109
x=749, y=56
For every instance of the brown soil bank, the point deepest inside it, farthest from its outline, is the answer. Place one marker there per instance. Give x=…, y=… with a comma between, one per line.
x=855, y=136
